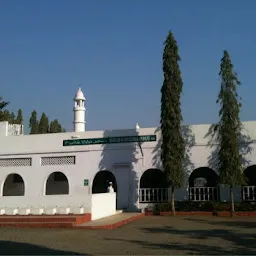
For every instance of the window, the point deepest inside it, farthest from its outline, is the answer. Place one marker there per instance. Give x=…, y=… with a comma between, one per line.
x=60, y=160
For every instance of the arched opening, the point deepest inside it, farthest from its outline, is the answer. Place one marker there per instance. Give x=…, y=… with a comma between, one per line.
x=250, y=175
x=57, y=184
x=203, y=185
x=101, y=182
x=14, y=185
x=153, y=186
x=249, y=191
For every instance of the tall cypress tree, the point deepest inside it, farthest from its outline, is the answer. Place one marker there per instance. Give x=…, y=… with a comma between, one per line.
x=173, y=147
x=33, y=123
x=229, y=129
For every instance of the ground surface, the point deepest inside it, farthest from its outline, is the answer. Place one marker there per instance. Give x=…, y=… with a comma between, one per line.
x=149, y=235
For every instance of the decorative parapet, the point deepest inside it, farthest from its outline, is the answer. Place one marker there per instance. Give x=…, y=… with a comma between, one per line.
x=15, y=129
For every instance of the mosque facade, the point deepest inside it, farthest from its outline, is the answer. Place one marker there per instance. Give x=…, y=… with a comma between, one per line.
x=63, y=168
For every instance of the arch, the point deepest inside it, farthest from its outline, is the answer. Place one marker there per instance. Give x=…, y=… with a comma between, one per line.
x=153, y=178
x=249, y=190
x=203, y=185
x=101, y=181
x=153, y=187
x=209, y=175
x=14, y=185
x=57, y=184
x=250, y=175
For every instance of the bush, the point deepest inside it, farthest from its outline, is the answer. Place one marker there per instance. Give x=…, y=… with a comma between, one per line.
x=221, y=206
x=245, y=207
x=190, y=206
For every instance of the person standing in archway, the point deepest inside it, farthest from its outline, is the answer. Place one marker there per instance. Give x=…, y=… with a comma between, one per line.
x=110, y=188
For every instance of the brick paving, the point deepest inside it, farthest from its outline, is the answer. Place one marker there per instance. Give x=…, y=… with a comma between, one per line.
x=149, y=235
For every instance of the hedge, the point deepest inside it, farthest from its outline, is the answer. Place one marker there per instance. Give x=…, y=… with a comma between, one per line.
x=188, y=206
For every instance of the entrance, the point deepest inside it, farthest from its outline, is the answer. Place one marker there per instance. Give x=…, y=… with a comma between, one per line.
x=101, y=182
x=124, y=185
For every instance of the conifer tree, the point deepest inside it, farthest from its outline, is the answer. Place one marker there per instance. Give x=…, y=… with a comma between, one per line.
x=8, y=116
x=229, y=129
x=43, y=126
x=11, y=118
x=172, y=148
x=55, y=126
x=19, y=119
x=33, y=123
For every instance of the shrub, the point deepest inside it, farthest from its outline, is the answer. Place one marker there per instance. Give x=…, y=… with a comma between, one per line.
x=190, y=206
x=245, y=207
x=221, y=206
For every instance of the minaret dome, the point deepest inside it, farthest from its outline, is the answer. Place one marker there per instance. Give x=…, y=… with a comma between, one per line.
x=79, y=111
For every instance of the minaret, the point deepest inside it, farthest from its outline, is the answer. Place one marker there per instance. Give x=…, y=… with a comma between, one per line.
x=79, y=111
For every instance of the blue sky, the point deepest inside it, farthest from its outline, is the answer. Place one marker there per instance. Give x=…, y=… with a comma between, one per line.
x=114, y=49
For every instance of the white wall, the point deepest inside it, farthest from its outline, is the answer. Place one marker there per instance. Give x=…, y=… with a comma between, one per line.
x=103, y=205
x=125, y=161
x=3, y=129
x=15, y=129
x=7, y=129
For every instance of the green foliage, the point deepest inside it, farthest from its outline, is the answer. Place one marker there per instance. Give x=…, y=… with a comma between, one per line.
x=190, y=206
x=172, y=148
x=33, y=123
x=3, y=104
x=55, y=127
x=19, y=119
x=229, y=127
x=43, y=126
x=35, y=126
x=6, y=115
x=11, y=118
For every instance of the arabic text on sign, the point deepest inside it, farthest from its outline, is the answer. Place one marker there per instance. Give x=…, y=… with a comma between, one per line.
x=109, y=140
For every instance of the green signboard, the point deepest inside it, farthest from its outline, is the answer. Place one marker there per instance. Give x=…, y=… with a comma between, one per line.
x=86, y=183
x=109, y=140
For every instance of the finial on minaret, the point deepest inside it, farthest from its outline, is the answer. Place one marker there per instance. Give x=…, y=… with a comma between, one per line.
x=79, y=111
x=137, y=126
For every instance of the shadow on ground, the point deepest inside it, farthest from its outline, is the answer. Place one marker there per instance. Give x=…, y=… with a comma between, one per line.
x=15, y=248
x=201, y=239
x=230, y=222
x=179, y=248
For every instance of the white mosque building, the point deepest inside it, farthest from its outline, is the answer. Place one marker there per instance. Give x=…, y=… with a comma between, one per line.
x=61, y=172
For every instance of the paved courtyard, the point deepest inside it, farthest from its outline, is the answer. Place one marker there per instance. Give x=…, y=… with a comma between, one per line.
x=149, y=235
